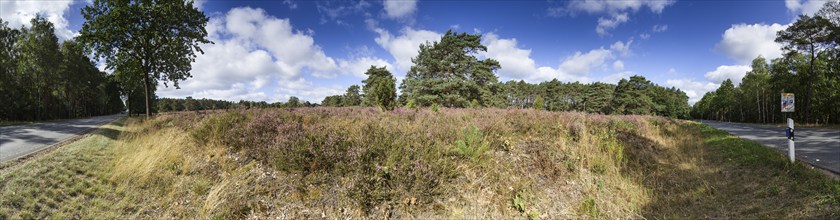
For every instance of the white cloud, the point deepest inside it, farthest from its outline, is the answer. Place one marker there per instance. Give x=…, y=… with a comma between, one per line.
x=806, y=7
x=617, y=11
x=517, y=64
x=581, y=64
x=358, y=66
x=618, y=65
x=693, y=89
x=614, y=78
x=659, y=28
x=199, y=4
x=405, y=46
x=622, y=48
x=306, y=90
x=293, y=50
x=19, y=13
x=605, y=24
x=597, y=6
x=260, y=57
x=399, y=8
x=735, y=73
x=744, y=42
x=644, y=36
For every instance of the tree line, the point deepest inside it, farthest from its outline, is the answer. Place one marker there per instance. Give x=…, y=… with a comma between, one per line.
x=191, y=104
x=447, y=73
x=42, y=78
x=810, y=68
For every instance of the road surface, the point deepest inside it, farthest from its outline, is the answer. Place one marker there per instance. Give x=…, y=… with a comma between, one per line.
x=820, y=147
x=20, y=140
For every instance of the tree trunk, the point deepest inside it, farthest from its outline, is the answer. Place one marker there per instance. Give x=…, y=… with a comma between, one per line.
x=146, y=89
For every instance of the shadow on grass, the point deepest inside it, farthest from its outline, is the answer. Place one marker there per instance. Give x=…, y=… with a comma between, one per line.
x=725, y=177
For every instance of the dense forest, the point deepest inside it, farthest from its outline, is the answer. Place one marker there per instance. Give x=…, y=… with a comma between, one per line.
x=810, y=69
x=42, y=78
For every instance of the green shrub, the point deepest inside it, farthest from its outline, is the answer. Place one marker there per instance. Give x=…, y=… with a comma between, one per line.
x=435, y=107
x=475, y=104
x=472, y=144
x=411, y=104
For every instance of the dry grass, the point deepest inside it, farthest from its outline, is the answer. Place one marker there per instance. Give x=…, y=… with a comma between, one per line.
x=456, y=163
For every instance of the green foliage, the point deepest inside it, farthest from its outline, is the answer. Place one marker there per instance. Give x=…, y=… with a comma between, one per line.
x=163, y=36
x=447, y=72
x=294, y=102
x=435, y=107
x=588, y=207
x=539, y=103
x=474, y=104
x=43, y=79
x=333, y=101
x=411, y=104
x=380, y=88
x=633, y=96
x=472, y=144
x=520, y=203
x=352, y=97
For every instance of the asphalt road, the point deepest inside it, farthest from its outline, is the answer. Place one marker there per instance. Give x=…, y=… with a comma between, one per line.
x=20, y=140
x=820, y=147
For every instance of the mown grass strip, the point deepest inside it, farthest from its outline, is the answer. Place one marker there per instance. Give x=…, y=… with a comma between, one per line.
x=63, y=182
x=797, y=189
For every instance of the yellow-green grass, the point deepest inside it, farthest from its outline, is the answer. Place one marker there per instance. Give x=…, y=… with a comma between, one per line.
x=455, y=163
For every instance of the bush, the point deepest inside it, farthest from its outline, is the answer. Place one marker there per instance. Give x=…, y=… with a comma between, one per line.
x=471, y=145
x=475, y=104
x=411, y=104
x=435, y=107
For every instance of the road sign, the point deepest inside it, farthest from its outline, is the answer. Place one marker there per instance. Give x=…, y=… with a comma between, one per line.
x=787, y=102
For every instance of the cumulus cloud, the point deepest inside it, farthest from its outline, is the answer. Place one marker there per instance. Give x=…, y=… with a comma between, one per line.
x=744, y=42
x=806, y=7
x=19, y=13
x=735, y=73
x=406, y=45
x=517, y=62
x=399, y=8
x=260, y=57
x=693, y=89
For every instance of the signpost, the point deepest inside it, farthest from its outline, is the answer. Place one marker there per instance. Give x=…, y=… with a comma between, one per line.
x=788, y=106
x=787, y=102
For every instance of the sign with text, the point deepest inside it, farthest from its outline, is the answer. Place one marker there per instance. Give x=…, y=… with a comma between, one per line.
x=787, y=102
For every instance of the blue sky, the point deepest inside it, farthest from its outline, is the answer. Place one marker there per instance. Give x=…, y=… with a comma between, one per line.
x=271, y=50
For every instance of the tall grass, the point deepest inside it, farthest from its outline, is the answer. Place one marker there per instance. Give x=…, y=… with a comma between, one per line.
x=453, y=163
